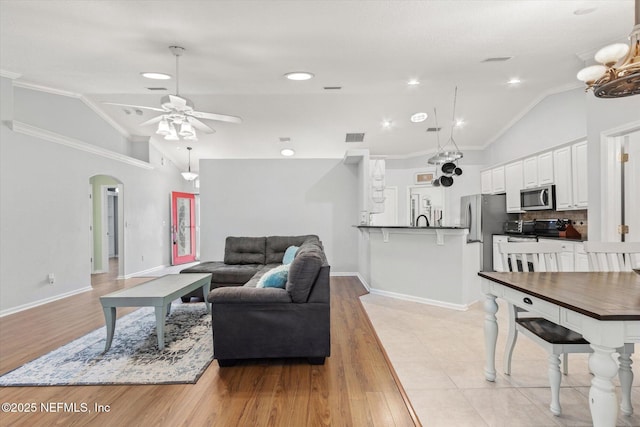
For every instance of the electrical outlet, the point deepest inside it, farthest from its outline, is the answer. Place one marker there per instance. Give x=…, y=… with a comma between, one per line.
x=52, y=278
x=142, y=257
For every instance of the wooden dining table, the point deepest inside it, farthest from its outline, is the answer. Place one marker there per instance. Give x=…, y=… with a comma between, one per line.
x=603, y=307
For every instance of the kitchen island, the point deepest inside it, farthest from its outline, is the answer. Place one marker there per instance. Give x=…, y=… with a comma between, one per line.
x=433, y=265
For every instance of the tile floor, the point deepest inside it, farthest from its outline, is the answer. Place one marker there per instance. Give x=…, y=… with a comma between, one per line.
x=438, y=355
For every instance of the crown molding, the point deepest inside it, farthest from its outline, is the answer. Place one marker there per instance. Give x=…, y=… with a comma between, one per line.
x=77, y=144
x=92, y=105
x=9, y=74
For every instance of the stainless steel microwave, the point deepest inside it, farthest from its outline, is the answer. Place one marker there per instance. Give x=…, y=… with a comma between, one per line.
x=538, y=199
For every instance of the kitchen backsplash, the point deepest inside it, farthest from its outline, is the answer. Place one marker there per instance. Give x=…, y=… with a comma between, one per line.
x=578, y=218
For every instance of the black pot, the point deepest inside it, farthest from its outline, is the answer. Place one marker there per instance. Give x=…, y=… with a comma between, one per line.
x=436, y=182
x=448, y=168
x=446, y=181
x=457, y=171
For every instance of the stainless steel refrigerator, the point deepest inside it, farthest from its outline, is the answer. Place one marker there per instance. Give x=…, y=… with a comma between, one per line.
x=484, y=215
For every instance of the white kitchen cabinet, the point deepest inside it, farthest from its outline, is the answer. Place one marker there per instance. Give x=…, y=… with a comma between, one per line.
x=570, y=177
x=538, y=170
x=497, y=180
x=563, y=178
x=513, y=183
x=497, y=258
x=530, y=172
x=580, y=175
x=485, y=182
x=545, y=168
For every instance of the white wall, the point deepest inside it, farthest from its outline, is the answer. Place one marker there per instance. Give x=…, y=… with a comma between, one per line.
x=45, y=209
x=557, y=119
x=281, y=197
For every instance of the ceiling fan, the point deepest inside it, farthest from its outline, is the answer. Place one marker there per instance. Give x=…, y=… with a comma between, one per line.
x=179, y=118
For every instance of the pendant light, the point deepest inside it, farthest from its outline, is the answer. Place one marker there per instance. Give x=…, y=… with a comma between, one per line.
x=189, y=176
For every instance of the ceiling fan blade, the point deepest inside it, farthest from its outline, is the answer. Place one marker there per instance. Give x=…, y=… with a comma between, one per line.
x=199, y=125
x=214, y=116
x=156, y=119
x=135, y=106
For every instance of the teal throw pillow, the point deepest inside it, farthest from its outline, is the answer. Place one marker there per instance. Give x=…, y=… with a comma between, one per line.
x=289, y=255
x=274, y=278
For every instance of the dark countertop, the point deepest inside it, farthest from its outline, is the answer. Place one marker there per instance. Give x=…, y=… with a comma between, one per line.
x=409, y=227
x=569, y=239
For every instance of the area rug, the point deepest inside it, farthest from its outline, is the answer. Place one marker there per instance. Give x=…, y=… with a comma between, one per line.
x=133, y=358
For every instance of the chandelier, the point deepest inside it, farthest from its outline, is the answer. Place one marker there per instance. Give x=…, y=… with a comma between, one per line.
x=189, y=176
x=619, y=72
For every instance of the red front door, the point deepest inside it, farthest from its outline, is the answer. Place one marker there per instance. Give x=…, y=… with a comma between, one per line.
x=183, y=228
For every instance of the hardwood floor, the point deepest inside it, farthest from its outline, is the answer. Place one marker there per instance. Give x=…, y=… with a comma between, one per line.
x=355, y=387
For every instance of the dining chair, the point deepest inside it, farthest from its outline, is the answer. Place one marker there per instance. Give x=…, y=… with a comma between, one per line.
x=623, y=257
x=555, y=339
x=613, y=256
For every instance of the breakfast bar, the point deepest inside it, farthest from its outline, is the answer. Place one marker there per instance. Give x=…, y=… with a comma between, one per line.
x=433, y=265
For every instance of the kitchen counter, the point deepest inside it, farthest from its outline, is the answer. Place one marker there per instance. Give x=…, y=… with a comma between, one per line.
x=567, y=239
x=433, y=265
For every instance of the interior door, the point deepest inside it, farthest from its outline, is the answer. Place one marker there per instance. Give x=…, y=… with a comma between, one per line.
x=183, y=228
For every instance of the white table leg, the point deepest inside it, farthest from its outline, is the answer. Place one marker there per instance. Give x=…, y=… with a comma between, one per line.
x=160, y=315
x=110, y=322
x=602, y=398
x=490, y=336
x=626, y=380
x=555, y=378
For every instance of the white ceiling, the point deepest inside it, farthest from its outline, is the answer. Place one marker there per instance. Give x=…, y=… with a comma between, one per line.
x=238, y=51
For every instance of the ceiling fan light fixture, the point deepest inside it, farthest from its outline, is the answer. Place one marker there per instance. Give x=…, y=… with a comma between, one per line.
x=173, y=135
x=163, y=127
x=186, y=130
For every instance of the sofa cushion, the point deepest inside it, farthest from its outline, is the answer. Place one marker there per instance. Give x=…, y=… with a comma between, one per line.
x=277, y=245
x=289, y=254
x=274, y=278
x=302, y=274
x=244, y=250
x=226, y=274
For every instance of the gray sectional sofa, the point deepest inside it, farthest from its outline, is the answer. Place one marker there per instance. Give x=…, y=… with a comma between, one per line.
x=251, y=322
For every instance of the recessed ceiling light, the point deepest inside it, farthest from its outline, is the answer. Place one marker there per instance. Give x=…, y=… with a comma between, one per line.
x=413, y=82
x=299, y=75
x=287, y=152
x=156, y=76
x=419, y=117
x=387, y=124
x=514, y=81
x=460, y=123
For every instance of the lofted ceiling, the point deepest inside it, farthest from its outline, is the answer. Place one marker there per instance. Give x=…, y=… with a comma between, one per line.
x=237, y=53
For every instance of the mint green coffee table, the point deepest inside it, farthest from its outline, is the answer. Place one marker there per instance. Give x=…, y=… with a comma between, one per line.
x=158, y=293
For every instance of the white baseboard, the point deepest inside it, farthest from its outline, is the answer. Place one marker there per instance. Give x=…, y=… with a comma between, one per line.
x=459, y=307
x=23, y=307
x=143, y=272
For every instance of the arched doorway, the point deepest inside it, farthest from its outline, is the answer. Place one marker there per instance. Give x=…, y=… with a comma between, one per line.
x=107, y=230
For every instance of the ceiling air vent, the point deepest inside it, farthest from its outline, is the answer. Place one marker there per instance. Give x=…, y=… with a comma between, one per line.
x=285, y=139
x=433, y=129
x=157, y=88
x=354, y=137
x=498, y=59
x=332, y=87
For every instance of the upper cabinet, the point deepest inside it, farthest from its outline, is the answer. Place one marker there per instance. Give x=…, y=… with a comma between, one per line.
x=570, y=172
x=514, y=183
x=538, y=170
x=492, y=181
